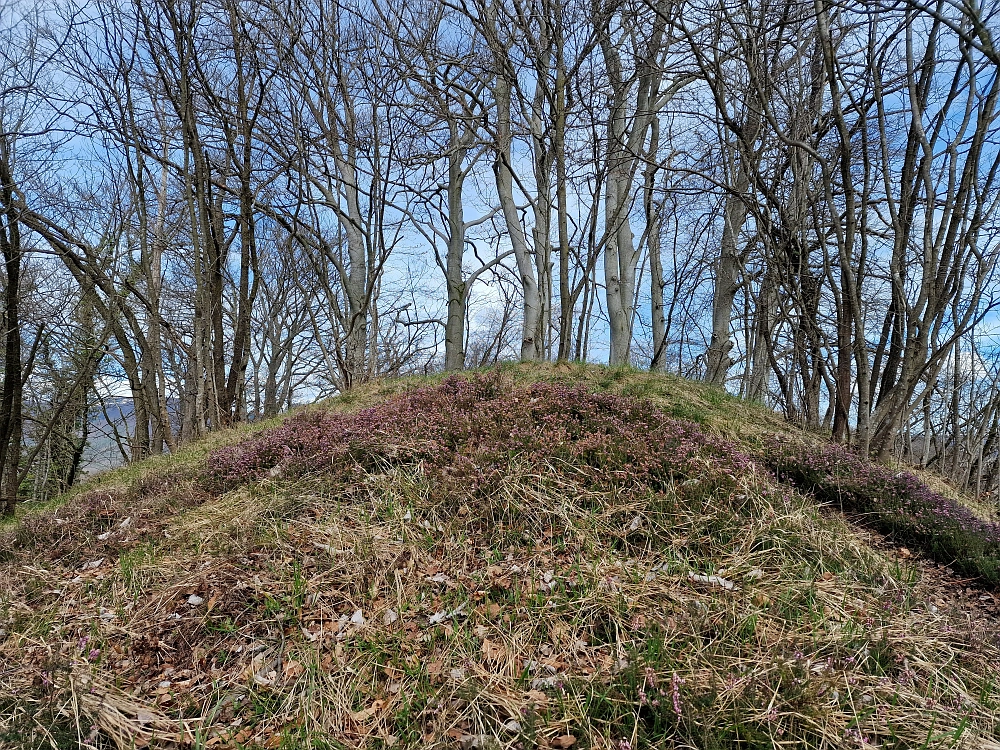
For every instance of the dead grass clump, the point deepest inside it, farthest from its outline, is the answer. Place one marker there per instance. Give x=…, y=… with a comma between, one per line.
x=101, y=521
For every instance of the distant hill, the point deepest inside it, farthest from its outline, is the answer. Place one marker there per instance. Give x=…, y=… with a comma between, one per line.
x=102, y=452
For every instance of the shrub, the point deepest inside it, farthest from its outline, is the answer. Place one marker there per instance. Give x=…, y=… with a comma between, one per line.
x=895, y=503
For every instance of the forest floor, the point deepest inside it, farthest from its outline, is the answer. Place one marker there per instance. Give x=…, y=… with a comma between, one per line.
x=537, y=556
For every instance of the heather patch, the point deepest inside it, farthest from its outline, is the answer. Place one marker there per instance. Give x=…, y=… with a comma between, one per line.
x=893, y=502
x=465, y=434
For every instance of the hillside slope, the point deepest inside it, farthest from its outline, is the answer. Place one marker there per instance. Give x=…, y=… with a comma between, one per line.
x=532, y=557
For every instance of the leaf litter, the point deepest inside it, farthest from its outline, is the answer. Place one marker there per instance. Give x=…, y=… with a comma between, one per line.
x=545, y=617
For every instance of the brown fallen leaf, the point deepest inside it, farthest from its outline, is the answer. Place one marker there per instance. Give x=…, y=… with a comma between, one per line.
x=367, y=713
x=434, y=667
x=536, y=696
x=566, y=740
x=293, y=669
x=241, y=736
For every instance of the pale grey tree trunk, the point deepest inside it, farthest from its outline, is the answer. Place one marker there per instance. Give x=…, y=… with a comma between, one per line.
x=728, y=266
x=531, y=343
x=454, y=334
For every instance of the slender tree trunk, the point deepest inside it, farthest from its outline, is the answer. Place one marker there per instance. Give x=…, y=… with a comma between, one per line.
x=454, y=334
x=566, y=298
x=11, y=397
x=531, y=345
x=653, y=211
x=727, y=268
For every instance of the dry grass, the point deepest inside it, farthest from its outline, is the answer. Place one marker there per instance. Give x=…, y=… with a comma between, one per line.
x=555, y=614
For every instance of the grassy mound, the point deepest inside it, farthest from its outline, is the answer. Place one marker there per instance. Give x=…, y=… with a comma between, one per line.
x=528, y=558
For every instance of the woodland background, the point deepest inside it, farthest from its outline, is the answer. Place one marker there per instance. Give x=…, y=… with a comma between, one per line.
x=218, y=208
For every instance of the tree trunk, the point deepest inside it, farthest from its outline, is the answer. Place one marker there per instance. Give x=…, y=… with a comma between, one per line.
x=454, y=334
x=531, y=345
x=11, y=397
x=727, y=268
